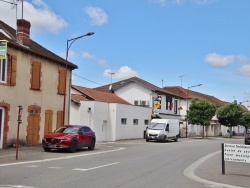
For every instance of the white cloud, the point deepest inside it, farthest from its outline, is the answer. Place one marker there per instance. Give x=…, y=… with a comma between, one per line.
x=87, y=55
x=97, y=15
x=42, y=19
x=245, y=70
x=219, y=60
x=123, y=72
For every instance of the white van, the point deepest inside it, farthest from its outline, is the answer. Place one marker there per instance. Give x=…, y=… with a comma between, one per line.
x=163, y=130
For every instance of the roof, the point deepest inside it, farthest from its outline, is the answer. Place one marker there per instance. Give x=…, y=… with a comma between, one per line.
x=189, y=94
x=95, y=95
x=9, y=34
x=143, y=83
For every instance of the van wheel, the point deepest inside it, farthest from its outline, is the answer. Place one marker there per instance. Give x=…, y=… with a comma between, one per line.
x=176, y=138
x=164, y=139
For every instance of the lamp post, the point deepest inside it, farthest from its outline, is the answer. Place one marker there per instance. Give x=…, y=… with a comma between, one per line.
x=187, y=106
x=69, y=43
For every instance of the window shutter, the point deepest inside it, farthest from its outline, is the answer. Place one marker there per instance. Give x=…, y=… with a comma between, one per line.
x=59, y=119
x=48, y=121
x=61, y=81
x=13, y=70
x=36, y=75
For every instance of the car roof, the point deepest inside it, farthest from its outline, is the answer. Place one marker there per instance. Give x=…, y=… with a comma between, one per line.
x=75, y=126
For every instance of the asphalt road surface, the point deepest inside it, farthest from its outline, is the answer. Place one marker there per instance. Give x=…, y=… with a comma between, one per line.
x=125, y=164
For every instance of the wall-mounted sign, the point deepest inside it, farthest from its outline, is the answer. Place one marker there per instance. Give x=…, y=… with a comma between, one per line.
x=3, y=49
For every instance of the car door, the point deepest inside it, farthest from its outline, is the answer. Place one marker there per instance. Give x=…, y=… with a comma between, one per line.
x=82, y=137
x=88, y=134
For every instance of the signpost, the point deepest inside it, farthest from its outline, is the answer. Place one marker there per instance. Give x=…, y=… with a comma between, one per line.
x=234, y=153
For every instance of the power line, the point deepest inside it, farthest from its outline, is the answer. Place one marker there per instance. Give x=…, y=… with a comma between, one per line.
x=87, y=79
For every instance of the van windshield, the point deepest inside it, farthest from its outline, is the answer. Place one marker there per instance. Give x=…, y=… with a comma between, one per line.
x=157, y=126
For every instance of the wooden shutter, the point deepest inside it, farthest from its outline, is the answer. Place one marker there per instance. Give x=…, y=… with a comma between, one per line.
x=13, y=70
x=36, y=75
x=59, y=122
x=48, y=121
x=61, y=81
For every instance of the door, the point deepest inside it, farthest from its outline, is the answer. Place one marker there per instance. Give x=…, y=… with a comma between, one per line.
x=1, y=126
x=33, y=128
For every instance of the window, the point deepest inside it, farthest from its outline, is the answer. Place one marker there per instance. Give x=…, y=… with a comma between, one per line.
x=36, y=75
x=169, y=104
x=124, y=121
x=3, y=70
x=8, y=70
x=61, y=81
x=146, y=122
x=135, y=121
x=175, y=106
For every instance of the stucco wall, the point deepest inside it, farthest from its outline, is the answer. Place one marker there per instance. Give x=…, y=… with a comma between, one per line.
x=21, y=94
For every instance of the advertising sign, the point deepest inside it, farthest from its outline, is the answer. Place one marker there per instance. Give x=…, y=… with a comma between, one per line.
x=3, y=49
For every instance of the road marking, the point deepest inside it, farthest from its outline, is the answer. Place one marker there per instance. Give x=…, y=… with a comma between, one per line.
x=189, y=172
x=55, y=167
x=86, y=169
x=31, y=166
x=60, y=158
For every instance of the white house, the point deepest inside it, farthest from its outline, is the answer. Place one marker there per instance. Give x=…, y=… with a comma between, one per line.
x=164, y=104
x=111, y=117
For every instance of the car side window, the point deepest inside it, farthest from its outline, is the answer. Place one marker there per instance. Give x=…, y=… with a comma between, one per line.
x=82, y=130
x=86, y=129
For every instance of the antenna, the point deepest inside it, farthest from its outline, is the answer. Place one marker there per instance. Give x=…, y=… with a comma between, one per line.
x=181, y=79
x=111, y=73
x=162, y=83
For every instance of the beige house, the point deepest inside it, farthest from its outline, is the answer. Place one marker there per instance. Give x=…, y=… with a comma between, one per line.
x=33, y=77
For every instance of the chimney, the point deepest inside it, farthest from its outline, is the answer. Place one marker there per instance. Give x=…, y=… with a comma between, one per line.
x=23, y=31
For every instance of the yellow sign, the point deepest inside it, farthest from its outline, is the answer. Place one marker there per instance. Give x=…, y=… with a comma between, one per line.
x=3, y=49
x=157, y=104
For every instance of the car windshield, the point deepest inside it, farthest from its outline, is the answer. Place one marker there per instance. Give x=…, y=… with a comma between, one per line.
x=157, y=126
x=67, y=130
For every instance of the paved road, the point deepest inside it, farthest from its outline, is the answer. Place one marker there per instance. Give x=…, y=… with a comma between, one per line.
x=131, y=163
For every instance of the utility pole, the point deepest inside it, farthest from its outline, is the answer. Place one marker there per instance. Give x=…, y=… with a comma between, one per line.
x=181, y=79
x=111, y=73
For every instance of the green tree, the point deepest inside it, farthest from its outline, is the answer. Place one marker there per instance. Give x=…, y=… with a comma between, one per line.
x=245, y=120
x=230, y=115
x=200, y=113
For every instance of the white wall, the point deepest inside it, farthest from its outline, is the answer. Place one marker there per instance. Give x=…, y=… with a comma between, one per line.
x=105, y=119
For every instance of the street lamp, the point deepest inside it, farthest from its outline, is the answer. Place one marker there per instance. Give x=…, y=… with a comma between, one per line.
x=187, y=106
x=69, y=43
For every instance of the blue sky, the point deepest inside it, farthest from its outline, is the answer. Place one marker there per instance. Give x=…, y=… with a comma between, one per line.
x=165, y=42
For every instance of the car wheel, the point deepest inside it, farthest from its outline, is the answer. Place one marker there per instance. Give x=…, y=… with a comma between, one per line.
x=92, y=145
x=164, y=139
x=47, y=149
x=147, y=140
x=73, y=146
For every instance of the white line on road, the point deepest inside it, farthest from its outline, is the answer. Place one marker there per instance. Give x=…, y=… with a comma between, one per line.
x=55, y=167
x=189, y=172
x=86, y=169
x=59, y=158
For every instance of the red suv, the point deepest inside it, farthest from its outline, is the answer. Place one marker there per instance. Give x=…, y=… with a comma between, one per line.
x=70, y=137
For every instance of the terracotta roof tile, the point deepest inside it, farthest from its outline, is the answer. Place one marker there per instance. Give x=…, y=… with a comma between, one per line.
x=76, y=98
x=143, y=83
x=101, y=96
x=33, y=48
x=196, y=95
